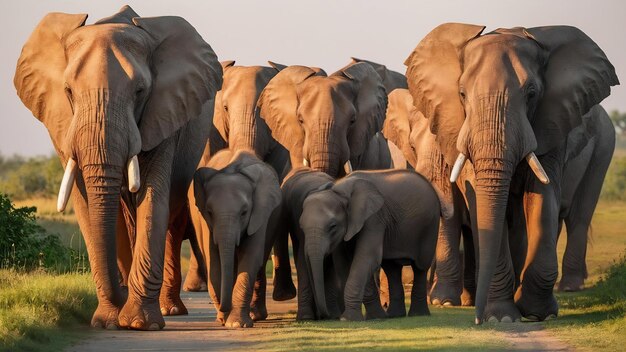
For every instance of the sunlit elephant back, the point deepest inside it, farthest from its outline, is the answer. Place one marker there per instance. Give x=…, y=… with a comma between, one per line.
x=497, y=99
x=126, y=101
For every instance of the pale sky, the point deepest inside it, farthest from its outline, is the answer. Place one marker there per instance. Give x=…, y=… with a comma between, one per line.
x=316, y=33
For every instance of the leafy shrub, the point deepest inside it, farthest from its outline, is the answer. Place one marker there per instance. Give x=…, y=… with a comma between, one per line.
x=614, y=187
x=26, y=245
x=34, y=177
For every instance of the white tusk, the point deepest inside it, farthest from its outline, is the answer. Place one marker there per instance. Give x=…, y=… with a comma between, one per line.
x=535, y=165
x=134, y=181
x=458, y=166
x=305, y=162
x=347, y=167
x=66, y=184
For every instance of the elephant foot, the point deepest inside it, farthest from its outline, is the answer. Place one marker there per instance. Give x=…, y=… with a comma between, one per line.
x=305, y=313
x=445, y=294
x=467, y=298
x=237, y=320
x=221, y=318
x=258, y=313
x=194, y=283
x=352, y=315
x=502, y=312
x=141, y=315
x=105, y=317
x=537, y=309
x=172, y=306
x=374, y=311
x=284, y=289
x=396, y=311
x=571, y=283
x=384, y=298
x=419, y=309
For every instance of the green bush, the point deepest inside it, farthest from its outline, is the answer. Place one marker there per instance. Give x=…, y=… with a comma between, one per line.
x=25, y=245
x=614, y=187
x=34, y=177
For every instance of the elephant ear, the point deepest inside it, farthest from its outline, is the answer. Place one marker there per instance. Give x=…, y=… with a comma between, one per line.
x=433, y=72
x=185, y=75
x=267, y=195
x=220, y=120
x=278, y=104
x=279, y=67
x=391, y=79
x=39, y=73
x=364, y=200
x=202, y=176
x=226, y=64
x=578, y=75
x=370, y=103
x=397, y=127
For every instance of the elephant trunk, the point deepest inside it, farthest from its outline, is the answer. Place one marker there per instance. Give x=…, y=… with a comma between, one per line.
x=101, y=145
x=492, y=190
x=242, y=134
x=316, y=249
x=225, y=235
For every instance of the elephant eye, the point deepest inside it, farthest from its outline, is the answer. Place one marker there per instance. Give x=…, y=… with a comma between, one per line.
x=462, y=93
x=225, y=108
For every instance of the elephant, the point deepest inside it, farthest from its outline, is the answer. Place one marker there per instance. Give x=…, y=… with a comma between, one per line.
x=453, y=281
x=236, y=125
x=237, y=193
x=368, y=219
x=298, y=184
x=127, y=102
x=502, y=105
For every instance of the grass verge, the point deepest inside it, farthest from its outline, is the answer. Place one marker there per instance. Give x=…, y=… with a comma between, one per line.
x=35, y=306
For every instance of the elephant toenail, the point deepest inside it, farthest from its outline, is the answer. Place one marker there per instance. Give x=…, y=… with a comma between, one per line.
x=112, y=326
x=163, y=311
x=492, y=319
x=436, y=302
x=136, y=324
x=551, y=316
x=447, y=304
x=174, y=310
x=154, y=326
x=506, y=319
x=97, y=325
x=477, y=321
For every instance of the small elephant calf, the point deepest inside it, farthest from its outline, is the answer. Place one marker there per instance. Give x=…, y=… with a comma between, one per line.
x=237, y=194
x=367, y=219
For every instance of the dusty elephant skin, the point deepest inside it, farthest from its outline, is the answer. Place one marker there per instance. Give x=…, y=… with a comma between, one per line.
x=237, y=193
x=367, y=219
x=126, y=93
x=495, y=100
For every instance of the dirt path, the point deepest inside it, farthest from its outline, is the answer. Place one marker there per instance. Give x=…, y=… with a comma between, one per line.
x=197, y=331
x=533, y=337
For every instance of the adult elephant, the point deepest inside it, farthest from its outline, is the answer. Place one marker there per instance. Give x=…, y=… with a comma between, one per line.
x=239, y=127
x=499, y=99
x=124, y=99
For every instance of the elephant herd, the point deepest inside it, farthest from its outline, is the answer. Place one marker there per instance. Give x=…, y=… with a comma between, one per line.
x=493, y=138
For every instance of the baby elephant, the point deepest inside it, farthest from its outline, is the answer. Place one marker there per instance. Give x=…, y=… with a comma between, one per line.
x=237, y=194
x=367, y=219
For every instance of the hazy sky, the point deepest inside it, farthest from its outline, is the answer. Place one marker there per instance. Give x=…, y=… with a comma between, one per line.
x=316, y=33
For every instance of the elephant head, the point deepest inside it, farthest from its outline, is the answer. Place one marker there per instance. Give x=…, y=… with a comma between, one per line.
x=235, y=201
x=106, y=92
x=498, y=99
x=235, y=105
x=332, y=214
x=391, y=79
x=324, y=122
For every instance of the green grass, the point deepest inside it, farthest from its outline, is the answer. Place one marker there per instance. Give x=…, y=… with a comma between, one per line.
x=35, y=307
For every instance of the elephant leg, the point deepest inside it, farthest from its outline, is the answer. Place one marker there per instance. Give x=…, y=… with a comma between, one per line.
x=124, y=251
x=448, y=284
x=142, y=310
x=306, y=302
x=469, y=268
x=169, y=300
x=500, y=305
x=419, y=301
x=578, y=225
x=397, y=307
x=516, y=220
x=368, y=255
x=372, y=299
x=196, y=278
x=284, y=288
x=383, y=284
x=534, y=296
x=258, y=308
